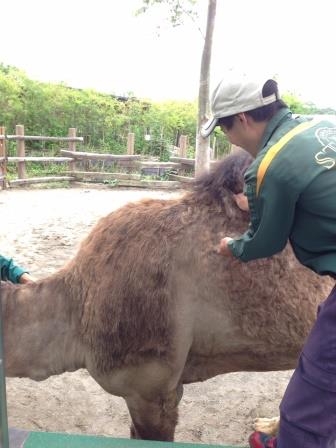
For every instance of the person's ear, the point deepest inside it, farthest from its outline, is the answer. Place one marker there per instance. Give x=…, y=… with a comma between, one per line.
x=242, y=117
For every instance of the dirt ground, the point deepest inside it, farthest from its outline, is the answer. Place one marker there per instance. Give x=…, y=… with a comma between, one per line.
x=41, y=229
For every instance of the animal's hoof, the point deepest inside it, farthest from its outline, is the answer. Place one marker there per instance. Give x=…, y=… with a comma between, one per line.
x=268, y=426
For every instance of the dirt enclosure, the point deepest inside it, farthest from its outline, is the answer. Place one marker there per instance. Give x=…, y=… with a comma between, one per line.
x=41, y=229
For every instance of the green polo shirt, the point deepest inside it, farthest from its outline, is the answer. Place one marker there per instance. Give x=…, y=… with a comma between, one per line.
x=9, y=271
x=296, y=198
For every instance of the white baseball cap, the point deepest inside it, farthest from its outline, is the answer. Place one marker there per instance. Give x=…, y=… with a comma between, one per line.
x=234, y=96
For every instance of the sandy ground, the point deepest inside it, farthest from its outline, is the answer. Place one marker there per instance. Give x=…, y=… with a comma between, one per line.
x=41, y=229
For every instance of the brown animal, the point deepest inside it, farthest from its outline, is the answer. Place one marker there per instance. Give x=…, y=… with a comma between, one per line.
x=148, y=305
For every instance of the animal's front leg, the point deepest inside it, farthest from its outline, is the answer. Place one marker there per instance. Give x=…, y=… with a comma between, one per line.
x=154, y=420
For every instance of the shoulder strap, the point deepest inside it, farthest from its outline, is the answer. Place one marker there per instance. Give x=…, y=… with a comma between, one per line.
x=275, y=149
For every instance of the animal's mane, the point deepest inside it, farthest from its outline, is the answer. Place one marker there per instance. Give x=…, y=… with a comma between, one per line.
x=225, y=175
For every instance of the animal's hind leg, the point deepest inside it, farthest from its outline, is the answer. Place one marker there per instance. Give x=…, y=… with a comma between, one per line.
x=155, y=419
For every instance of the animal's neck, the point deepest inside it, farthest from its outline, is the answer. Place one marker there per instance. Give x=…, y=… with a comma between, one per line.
x=41, y=336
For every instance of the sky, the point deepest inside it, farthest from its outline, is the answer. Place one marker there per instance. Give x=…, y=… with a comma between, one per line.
x=101, y=45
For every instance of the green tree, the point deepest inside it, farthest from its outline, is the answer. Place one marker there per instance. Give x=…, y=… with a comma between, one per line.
x=104, y=120
x=178, y=10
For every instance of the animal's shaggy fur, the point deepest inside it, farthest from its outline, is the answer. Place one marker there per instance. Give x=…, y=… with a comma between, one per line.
x=147, y=304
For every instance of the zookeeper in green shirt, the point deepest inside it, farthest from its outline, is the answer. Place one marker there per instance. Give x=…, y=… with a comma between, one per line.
x=291, y=193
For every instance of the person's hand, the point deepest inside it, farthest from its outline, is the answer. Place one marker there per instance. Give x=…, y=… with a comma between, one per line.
x=223, y=248
x=26, y=278
x=241, y=201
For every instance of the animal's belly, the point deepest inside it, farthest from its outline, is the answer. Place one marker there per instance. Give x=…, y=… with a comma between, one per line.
x=201, y=367
x=220, y=346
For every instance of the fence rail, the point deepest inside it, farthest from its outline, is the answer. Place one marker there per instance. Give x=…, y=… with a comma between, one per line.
x=39, y=159
x=41, y=138
x=132, y=162
x=41, y=180
x=96, y=156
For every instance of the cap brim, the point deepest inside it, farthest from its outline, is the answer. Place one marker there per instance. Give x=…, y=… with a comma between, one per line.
x=208, y=127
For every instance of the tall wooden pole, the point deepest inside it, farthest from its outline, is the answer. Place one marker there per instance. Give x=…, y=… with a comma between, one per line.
x=202, y=156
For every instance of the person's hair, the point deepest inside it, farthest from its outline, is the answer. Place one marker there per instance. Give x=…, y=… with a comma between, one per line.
x=263, y=113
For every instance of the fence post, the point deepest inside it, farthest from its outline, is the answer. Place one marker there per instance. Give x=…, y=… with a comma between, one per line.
x=130, y=143
x=3, y=165
x=20, y=151
x=183, y=143
x=72, y=147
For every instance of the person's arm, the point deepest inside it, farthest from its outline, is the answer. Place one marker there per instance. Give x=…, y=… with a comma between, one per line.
x=276, y=207
x=13, y=273
x=27, y=278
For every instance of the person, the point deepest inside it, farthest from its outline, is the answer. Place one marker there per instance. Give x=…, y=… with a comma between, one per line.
x=290, y=189
x=9, y=271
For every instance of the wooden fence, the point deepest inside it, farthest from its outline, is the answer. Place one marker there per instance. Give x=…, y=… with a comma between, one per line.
x=180, y=165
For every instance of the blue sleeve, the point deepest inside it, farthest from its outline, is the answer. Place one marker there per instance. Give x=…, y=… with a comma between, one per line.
x=9, y=270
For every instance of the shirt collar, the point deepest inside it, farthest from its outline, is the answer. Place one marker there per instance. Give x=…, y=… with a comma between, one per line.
x=282, y=115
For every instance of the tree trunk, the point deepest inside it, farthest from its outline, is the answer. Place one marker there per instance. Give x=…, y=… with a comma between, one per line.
x=202, y=162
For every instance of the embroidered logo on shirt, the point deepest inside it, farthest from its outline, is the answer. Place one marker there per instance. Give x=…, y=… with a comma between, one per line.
x=327, y=155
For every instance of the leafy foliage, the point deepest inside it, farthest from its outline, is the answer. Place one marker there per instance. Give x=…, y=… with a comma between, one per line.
x=103, y=120
x=177, y=10
x=298, y=107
